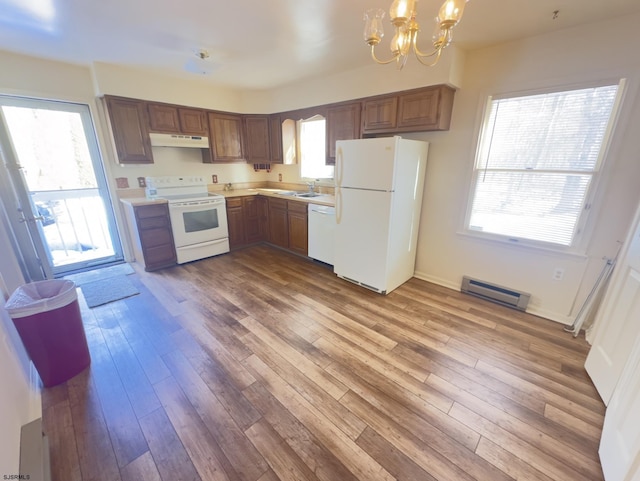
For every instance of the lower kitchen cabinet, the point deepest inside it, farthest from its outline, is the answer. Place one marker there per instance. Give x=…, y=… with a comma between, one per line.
x=288, y=224
x=280, y=222
x=297, y=223
x=236, y=223
x=256, y=215
x=151, y=235
x=247, y=218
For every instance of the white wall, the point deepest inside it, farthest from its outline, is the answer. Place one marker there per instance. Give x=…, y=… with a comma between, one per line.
x=364, y=82
x=568, y=57
x=20, y=401
x=130, y=82
x=563, y=58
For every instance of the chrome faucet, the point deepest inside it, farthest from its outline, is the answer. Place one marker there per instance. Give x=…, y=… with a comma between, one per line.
x=311, y=185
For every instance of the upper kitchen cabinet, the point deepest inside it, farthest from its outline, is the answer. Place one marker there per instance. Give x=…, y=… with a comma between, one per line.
x=263, y=138
x=193, y=121
x=424, y=109
x=257, y=138
x=176, y=120
x=380, y=114
x=275, y=139
x=343, y=123
x=225, y=137
x=130, y=130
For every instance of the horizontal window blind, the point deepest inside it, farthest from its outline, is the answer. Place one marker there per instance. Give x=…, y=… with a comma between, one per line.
x=536, y=163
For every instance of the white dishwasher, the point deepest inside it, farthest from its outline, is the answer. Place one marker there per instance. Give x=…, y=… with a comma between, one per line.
x=322, y=225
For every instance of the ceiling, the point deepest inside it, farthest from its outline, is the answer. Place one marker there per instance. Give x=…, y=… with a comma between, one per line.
x=258, y=44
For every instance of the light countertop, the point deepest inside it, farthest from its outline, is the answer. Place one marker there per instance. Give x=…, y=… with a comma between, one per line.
x=137, y=201
x=322, y=199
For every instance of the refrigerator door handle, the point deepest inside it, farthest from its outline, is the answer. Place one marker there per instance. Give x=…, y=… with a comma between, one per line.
x=339, y=164
x=338, y=194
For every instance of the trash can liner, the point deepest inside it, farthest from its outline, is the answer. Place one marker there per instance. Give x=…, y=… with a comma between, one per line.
x=48, y=319
x=41, y=296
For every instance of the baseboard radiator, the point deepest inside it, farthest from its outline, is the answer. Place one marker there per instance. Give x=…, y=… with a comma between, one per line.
x=498, y=294
x=35, y=463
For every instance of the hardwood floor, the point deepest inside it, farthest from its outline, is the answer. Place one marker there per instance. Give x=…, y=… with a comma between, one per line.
x=261, y=366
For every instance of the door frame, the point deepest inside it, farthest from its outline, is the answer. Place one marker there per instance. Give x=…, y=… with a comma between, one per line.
x=35, y=258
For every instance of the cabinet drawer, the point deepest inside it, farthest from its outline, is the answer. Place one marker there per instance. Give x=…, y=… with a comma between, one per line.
x=154, y=223
x=234, y=202
x=277, y=204
x=294, y=206
x=159, y=256
x=155, y=237
x=151, y=210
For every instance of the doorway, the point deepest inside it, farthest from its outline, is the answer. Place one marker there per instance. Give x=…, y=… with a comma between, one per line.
x=58, y=203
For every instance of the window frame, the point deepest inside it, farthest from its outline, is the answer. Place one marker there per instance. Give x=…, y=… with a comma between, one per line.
x=592, y=199
x=299, y=149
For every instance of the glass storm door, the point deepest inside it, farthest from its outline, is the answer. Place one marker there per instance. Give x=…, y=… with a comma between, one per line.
x=53, y=165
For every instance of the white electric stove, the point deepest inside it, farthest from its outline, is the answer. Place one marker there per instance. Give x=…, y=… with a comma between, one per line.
x=198, y=218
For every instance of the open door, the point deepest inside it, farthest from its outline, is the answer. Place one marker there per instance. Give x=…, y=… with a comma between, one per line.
x=618, y=319
x=620, y=442
x=58, y=201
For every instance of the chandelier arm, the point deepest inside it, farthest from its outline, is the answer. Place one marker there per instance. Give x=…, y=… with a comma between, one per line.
x=437, y=53
x=421, y=54
x=382, y=62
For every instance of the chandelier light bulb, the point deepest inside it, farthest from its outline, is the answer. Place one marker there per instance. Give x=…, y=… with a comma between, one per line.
x=451, y=13
x=373, y=28
x=401, y=11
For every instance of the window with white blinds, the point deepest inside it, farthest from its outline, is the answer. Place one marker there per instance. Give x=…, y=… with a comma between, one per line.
x=537, y=161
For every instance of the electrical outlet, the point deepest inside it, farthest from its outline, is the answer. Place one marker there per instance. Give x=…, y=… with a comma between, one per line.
x=142, y=182
x=558, y=274
x=280, y=177
x=214, y=178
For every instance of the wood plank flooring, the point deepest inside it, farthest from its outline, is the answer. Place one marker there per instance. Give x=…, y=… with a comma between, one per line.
x=261, y=366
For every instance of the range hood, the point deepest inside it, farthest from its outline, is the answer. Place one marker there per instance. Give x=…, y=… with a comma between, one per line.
x=175, y=140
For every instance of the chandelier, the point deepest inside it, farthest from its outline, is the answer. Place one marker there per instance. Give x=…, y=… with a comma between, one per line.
x=403, y=17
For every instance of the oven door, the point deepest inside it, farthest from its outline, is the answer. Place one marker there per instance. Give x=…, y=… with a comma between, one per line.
x=197, y=221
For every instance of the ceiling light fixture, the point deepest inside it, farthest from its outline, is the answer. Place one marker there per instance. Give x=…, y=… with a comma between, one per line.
x=201, y=64
x=403, y=17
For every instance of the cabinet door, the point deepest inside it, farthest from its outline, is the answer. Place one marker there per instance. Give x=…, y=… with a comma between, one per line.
x=275, y=139
x=298, y=230
x=236, y=223
x=251, y=219
x=192, y=121
x=130, y=132
x=163, y=118
x=226, y=139
x=343, y=123
x=155, y=236
x=427, y=109
x=257, y=138
x=262, y=204
x=380, y=114
x=278, y=224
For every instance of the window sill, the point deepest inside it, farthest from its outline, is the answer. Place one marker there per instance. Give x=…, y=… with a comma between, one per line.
x=494, y=240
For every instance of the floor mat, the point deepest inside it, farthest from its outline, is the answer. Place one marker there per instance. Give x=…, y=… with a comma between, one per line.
x=97, y=293
x=99, y=274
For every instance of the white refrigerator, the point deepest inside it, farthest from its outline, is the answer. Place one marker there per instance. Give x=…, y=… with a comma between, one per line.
x=378, y=188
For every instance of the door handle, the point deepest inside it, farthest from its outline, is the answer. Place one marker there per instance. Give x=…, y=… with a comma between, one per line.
x=30, y=219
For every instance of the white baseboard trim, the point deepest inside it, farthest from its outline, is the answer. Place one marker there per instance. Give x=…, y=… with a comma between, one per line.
x=35, y=393
x=436, y=280
x=534, y=310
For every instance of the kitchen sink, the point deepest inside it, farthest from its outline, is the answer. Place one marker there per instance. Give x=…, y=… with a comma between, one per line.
x=293, y=193
x=308, y=194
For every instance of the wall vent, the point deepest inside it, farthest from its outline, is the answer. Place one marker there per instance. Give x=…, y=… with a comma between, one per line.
x=498, y=294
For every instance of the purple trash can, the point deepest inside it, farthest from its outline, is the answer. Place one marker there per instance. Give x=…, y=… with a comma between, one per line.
x=47, y=317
